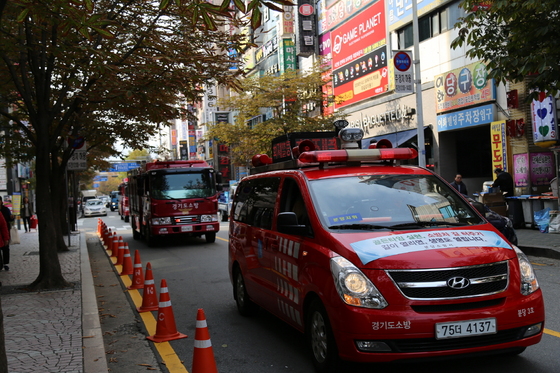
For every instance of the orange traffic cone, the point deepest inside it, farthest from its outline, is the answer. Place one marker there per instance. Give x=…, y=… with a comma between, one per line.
x=119, y=251
x=137, y=276
x=165, y=328
x=127, y=268
x=149, y=299
x=203, y=358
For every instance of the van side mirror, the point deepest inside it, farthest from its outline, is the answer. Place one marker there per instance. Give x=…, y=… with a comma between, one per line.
x=288, y=223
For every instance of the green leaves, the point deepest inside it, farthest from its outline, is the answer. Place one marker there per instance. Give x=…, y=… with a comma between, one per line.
x=516, y=38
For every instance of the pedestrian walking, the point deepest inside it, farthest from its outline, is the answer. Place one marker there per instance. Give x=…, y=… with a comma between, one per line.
x=5, y=250
x=26, y=213
x=459, y=185
x=4, y=233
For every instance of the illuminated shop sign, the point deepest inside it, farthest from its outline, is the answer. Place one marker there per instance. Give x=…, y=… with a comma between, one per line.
x=359, y=57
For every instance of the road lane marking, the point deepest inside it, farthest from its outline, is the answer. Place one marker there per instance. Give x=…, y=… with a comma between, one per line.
x=552, y=332
x=169, y=357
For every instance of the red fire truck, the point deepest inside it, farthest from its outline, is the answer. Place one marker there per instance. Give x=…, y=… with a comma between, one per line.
x=173, y=197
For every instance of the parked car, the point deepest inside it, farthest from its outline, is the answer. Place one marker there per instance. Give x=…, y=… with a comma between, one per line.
x=95, y=207
x=502, y=223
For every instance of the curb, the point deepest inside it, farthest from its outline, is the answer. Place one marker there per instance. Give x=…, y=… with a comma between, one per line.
x=95, y=360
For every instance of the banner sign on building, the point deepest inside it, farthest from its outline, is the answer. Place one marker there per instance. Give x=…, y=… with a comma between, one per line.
x=543, y=112
x=521, y=170
x=542, y=168
x=463, y=87
x=183, y=150
x=466, y=118
x=400, y=11
x=499, y=145
x=339, y=12
x=224, y=163
x=359, y=57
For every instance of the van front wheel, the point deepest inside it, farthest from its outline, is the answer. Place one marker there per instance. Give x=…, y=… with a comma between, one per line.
x=321, y=339
x=245, y=306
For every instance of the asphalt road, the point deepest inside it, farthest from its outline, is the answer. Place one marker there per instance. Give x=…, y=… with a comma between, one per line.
x=197, y=277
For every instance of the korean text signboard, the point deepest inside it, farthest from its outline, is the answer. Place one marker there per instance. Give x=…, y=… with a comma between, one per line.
x=78, y=160
x=498, y=144
x=359, y=57
x=521, y=170
x=542, y=168
x=463, y=87
x=403, y=72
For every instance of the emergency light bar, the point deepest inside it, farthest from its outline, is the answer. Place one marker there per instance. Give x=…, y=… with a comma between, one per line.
x=357, y=155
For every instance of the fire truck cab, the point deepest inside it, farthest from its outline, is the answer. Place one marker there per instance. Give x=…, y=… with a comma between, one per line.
x=173, y=197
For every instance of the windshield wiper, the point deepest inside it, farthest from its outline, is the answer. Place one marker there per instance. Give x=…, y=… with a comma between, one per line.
x=365, y=227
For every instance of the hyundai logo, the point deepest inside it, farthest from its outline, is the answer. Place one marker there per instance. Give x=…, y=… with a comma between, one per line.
x=458, y=282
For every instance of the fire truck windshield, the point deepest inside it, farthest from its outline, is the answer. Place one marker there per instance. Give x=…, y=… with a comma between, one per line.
x=393, y=201
x=197, y=184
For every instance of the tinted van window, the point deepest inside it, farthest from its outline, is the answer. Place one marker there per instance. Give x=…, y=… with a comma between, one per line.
x=255, y=202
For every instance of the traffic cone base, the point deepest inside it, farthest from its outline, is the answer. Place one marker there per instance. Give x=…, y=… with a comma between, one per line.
x=166, y=330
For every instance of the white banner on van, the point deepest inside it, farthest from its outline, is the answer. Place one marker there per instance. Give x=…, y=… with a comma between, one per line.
x=381, y=247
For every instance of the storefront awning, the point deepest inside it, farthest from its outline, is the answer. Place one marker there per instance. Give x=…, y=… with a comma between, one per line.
x=396, y=138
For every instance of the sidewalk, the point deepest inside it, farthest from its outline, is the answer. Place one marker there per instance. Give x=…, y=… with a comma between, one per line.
x=59, y=331
x=52, y=331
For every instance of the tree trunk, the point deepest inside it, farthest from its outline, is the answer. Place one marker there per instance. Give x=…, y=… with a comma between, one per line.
x=58, y=191
x=50, y=273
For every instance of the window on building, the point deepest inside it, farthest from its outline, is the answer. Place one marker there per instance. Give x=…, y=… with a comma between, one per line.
x=431, y=25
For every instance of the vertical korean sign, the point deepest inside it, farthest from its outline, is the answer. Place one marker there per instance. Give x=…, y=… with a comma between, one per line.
x=403, y=72
x=499, y=145
x=224, y=163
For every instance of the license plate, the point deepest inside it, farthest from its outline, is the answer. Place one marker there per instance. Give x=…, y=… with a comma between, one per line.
x=470, y=328
x=186, y=228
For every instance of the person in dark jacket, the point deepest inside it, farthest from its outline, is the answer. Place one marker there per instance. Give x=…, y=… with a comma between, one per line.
x=5, y=250
x=504, y=181
x=26, y=213
x=459, y=185
x=4, y=236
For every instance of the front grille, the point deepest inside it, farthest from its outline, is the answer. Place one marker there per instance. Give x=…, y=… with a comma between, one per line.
x=432, y=344
x=188, y=219
x=433, y=283
x=454, y=307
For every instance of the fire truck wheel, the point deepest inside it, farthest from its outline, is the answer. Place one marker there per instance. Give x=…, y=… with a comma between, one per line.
x=135, y=234
x=321, y=339
x=210, y=237
x=245, y=305
x=148, y=236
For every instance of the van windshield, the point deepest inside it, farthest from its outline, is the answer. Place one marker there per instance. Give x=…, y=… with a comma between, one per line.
x=182, y=185
x=392, y=201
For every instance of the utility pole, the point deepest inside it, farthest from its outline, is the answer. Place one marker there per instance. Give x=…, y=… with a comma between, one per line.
x=418, y=82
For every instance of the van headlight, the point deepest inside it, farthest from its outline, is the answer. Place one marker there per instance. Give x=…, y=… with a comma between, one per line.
x=529, y=283
x=354, y=287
